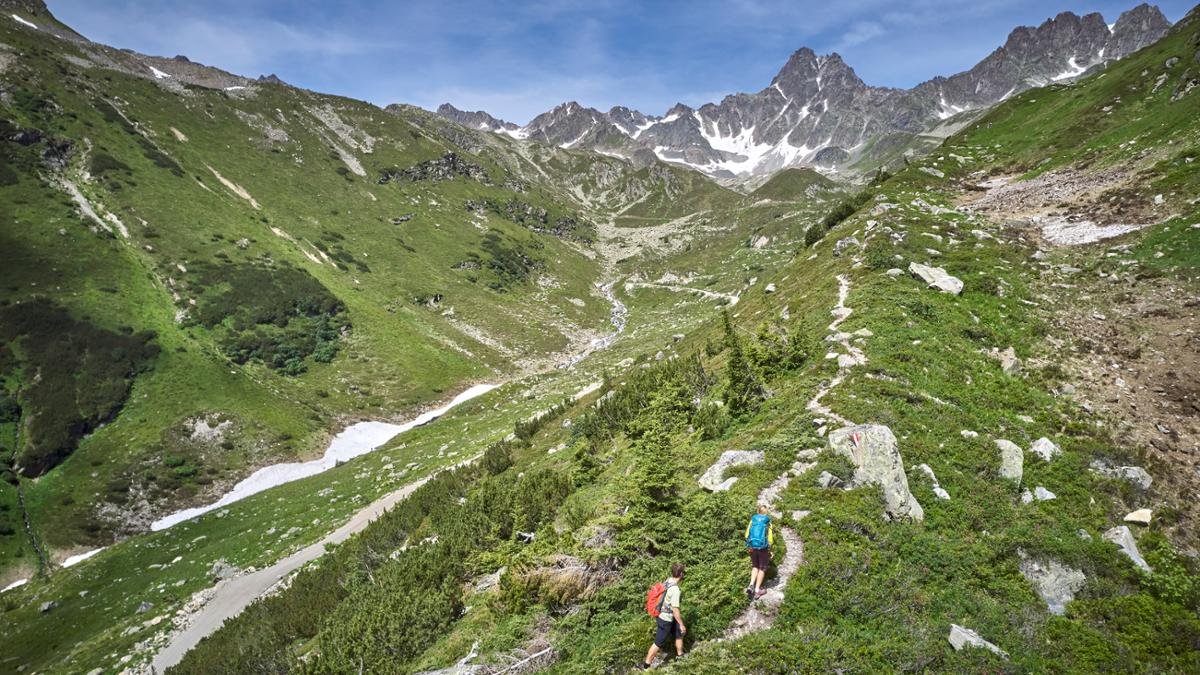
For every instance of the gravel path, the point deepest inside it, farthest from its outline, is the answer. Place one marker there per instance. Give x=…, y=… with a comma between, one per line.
x=230, y=597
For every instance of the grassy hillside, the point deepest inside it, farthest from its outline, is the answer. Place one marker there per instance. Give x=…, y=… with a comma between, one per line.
x=617, y=500
x=406, y=258
x=794, y=184
x=539, y=553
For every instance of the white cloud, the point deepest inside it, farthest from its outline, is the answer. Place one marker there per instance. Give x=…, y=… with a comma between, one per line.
x=860, y=32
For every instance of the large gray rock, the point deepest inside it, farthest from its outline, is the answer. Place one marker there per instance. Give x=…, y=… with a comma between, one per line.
x=714, y=478
x=1045, y=448
x=1056, y=583
x=874, y=451
x=1012, y=460
x=961, y=638
x=1134, y=474
x=1009, y=363
x=1121, y=536
x=937, y=277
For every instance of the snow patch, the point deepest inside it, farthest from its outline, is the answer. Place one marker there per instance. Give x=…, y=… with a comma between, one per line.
x=1059, y=230
x=354, y=441
x=31, y=25
x=1073, y=70
x=158, y=74
x=16, y=584
x=76, y=559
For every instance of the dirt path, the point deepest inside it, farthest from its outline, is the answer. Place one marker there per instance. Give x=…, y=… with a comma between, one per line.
x=713, y=295
x=230, y=597
x=853, y=356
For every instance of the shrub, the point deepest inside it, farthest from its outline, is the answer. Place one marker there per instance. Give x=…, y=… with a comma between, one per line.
x=83, y=375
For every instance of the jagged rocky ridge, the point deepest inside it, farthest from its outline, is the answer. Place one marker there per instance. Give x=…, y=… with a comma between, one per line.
x=817, y=111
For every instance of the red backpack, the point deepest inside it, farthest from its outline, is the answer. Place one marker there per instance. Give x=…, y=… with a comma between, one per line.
x=655, y=597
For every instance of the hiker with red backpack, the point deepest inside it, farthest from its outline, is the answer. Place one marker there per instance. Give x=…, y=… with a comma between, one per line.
x=662, y=603
x=759, y=539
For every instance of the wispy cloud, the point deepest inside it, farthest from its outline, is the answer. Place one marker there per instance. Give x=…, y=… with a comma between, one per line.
x=516, y=59
x=860, y=32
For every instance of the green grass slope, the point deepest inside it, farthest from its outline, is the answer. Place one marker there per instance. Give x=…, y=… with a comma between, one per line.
x=794, y=184
x=611, y=499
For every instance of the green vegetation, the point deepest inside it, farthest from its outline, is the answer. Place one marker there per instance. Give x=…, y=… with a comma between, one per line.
x=277, y=316
x=551, y=537
x=794, y=184
x=72, y=376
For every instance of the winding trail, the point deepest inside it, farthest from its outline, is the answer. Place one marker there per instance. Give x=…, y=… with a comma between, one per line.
x=228, y=598
x=712, y=295
x=853, y=356
x=763, y=612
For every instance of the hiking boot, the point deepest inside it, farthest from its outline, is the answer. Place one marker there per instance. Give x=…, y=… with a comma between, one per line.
x=749, y=592
x=760, y=593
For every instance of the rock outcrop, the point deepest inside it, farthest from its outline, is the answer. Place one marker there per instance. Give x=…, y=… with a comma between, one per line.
x=1045, y=448
x=936, y=277
x=1054, y=582
x=714, y=478
x=961, y=638
x=874, y=451
x=1012, y=460
x=1121, y=536
x=1134, y=474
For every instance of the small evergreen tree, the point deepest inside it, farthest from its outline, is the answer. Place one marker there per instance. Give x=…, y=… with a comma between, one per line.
x=742, y=388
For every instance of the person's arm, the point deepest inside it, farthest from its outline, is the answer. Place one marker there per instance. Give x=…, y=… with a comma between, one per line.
x=747, y=535
x=679, y=618
x=770, y=534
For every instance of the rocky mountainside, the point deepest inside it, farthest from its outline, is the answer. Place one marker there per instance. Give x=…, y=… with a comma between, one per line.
x=817, y=111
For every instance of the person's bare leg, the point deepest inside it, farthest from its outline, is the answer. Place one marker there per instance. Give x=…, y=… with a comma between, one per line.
x=758, y=579
x=679, y=646
x=652, y=653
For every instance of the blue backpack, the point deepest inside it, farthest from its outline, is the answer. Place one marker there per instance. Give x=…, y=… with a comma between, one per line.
x=759, y=525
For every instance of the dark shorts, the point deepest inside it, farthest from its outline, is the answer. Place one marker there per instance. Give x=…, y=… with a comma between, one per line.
x=760, y=558
x=668, y=631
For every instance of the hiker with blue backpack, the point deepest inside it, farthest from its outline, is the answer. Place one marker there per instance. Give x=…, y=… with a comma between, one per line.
x=662, y=603
x=759, y=538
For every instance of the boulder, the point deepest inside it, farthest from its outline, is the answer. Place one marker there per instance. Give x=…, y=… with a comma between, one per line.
x=145, y=606
x=769, y=289
x=1043, y=495
x=1121, y=536
x=894, y=272
x=222, y=570
x=1009, y=363
x=844, y=245
x=714, y=479
x=1141, y=517
x=874, y=451
x=1134, y=474
x=47, y=606
x=828, y=480
x=1045, y=448
x=1012, y=460
x=936, y=277
x=1056, y=583
x=961, y=638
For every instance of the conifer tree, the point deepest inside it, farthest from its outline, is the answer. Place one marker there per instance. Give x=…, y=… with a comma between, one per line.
x=742, y=388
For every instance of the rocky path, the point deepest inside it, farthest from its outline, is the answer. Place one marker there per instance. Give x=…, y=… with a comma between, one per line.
x=729, y=298
x=847, y=359
x=762, y=613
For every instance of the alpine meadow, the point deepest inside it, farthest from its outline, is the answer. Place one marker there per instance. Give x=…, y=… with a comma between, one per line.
x=292, y=382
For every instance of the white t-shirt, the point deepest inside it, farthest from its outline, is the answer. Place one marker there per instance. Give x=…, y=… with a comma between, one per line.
x=670, y=600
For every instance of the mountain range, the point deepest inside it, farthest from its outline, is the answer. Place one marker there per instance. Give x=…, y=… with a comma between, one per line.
x=817, y=111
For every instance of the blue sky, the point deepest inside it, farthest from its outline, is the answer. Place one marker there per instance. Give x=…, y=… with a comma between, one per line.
x=517, y=59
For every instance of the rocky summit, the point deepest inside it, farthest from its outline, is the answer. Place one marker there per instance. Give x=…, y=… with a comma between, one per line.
x=818, y=112
x=291, y=382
